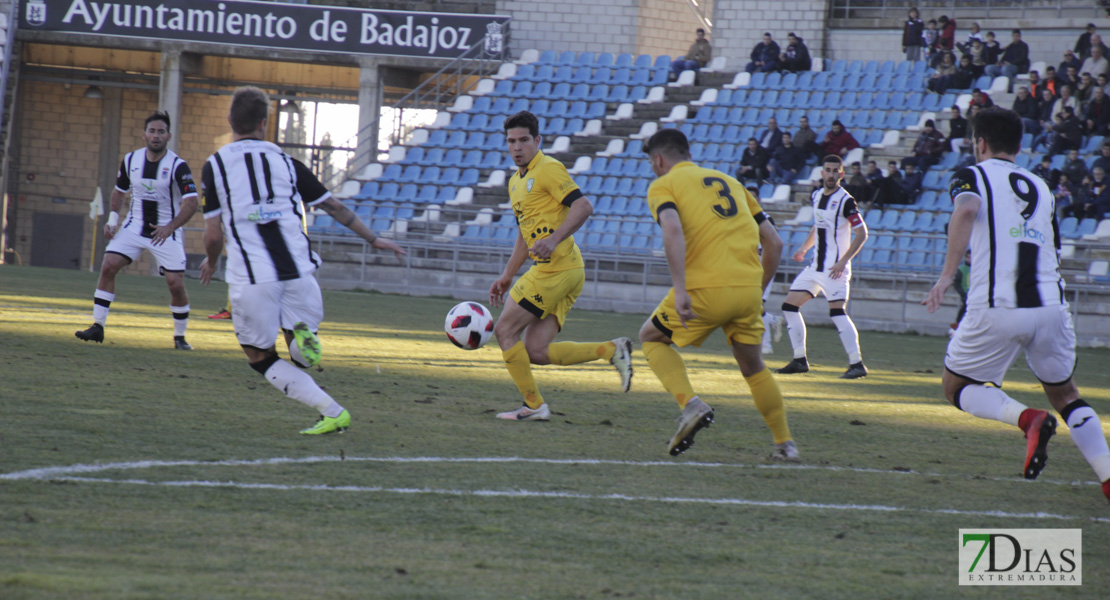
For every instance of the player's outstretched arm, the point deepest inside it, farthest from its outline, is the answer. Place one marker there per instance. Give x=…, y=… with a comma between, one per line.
x=959, y=235
x=347, y=218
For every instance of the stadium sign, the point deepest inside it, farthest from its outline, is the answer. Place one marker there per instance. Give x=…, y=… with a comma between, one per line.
x=270, y=25
x=1021, y=557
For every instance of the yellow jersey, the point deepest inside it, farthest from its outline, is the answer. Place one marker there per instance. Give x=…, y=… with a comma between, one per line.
x=720, y=220
x=541, y=197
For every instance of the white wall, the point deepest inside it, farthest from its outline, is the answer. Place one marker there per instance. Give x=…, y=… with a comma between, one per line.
x=879, y=44
x=738, y=25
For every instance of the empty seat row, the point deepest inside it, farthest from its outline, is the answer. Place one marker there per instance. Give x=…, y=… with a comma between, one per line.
x=600, y=92
x=494, y=120
x=408, y=192
x=621, y=167
x=906, y=221
x=603, y=59
x=416, y=174
x=526, y=76
x=613, y=186
x=915, y=101
x=861, y=118
x=841, y=82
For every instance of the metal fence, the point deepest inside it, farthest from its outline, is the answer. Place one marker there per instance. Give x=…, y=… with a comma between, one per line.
x=959, y=9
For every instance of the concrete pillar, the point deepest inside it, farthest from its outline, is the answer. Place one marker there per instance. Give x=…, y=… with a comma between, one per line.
x=369, y=110
x=169, y=90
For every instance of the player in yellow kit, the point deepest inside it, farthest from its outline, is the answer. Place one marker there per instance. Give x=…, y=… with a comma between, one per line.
x=712, y=230
x=549, y=208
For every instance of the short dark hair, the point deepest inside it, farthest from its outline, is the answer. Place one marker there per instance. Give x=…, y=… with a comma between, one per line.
x=751, y=139
x=832, y=158
x=1017, y=31
x=249, y=106
x=933, y=21
x=1000, y=128
x=699, y=30
x=668, y=142
x=837, y=122
x=158, y=115
x=526, y=120
x=956, y=108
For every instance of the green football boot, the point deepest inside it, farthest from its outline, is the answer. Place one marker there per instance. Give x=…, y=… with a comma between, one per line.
x=330, y=424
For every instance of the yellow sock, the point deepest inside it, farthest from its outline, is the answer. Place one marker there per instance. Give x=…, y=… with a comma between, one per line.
x=668, y=366
x=768, y=399
x=520, y=369
x=573, y=353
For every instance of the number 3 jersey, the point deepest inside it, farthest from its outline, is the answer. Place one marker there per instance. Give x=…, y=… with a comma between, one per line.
x=720, y=221
x=157, y=189
x=1013, y=239
x=257, y=190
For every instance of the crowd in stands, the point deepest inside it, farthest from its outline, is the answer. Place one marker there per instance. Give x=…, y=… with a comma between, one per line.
x=778, y=156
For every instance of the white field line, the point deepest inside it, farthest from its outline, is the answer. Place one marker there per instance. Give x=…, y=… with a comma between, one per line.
x=62, y=471
x=519, y=493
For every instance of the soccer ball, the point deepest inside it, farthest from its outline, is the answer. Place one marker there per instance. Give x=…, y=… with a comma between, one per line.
x=469, y=325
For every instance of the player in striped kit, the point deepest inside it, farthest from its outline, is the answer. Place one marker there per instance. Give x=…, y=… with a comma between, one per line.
x=1015, y=303
x=253, y=194
x=836, y=219
x=163, y=198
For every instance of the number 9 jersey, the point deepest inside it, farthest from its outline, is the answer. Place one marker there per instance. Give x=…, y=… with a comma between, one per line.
x=720, y=221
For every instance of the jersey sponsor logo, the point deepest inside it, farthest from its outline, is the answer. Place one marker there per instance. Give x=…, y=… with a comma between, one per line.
x=264, y=215
x=1027, y=233
x=165, y=171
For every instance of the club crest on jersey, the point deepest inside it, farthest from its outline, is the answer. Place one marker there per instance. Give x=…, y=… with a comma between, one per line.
x=165, y=171
x=264, y=215
x=528, y=184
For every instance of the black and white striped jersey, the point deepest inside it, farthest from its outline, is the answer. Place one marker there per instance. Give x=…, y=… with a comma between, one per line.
x=834, y=217
x=157, y=189
x=1014, y=263
x=257, y=191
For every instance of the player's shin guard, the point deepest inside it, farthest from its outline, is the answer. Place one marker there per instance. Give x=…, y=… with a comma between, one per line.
x=101, y=302
x=668, y=366
x=180, y=319
x=520, y=369
x=849, y=337
x=768, y=399
x=573, y=353
x=1086, y=432
x=796, y=327
x=298, y=385
x=989, y=403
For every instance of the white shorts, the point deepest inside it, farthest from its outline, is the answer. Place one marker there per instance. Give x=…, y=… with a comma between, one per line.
x=259, y=310
x=170, y=255
x=988, y=341
x=818, y=282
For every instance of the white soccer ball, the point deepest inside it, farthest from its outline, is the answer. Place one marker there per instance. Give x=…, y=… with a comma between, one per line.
x=469, y=325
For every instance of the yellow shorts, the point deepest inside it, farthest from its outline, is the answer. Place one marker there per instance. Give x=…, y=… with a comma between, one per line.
x=736, y=310
x=542, y=293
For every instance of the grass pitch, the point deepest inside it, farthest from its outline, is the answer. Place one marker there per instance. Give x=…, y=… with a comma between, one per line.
x=428, y=496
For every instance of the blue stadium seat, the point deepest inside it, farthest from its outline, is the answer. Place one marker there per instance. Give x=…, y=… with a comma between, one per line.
x=602, y=75
x=427, y=194
x=582, y=75
x=522, y=89
x=637, y=93
x=604, y=59
x=450, y=175
x=563, y=74
x=789, y=82
x=1086, y=227
x=890, y=220
x=547, y=57
x=805, y=80
x=620, y=76
x=873, y=218
x=640, y=77
x=542, y=89
x=617, y=93
x=642, y=61
x=445, y=193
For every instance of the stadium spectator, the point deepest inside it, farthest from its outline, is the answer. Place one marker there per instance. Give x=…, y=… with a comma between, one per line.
x=1084, y=90
x=1096, y=41
x=753, y=163
x=786, y=161
x=957, y=139
x=720, y=272
x=1070, y=60
x=1035, y=85
x=1026, y=108
x=1074, y=167
x=930, y=40
x=770, y=138
x=271, y=266
x=1015, y=59
x=857, y=185
x=836, y=219
x=912, y=38
x=1008, y=306
x=1044, y=170
x=1083, y=44
x=1071, y=79
x=1069, y=132
x=805, y=137
x=946, y=39
x=765, y=56
x=1066, y=197
x=1050, y=82
x=928, y=148
x=965, y=75
x=1096, y=64
x=697, y=56
x=1093, y=185
x=874, y=177
x=1097, y=204
x=838, y=141
x=1103, y=81
x=889, y=189
x=796, y=56
x=911, y=183
x=981, y=99
x=975, y=34
x=991, y=49
x=977, y=53
x=1064, y=99
x=548, y=215
x=939, y=80
x=159, y=206
x=1103, y=159
x=1097, y=113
